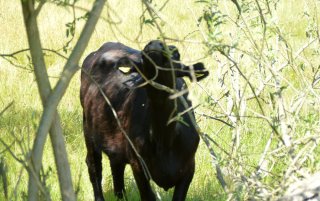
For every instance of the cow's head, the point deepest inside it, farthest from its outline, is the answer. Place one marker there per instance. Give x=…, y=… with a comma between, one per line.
x=162, y=64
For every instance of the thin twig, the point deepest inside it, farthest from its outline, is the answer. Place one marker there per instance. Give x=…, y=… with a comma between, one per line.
x=6, y=108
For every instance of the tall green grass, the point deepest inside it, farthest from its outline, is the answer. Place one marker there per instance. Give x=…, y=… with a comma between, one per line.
x=20, y=121
x=18, y=85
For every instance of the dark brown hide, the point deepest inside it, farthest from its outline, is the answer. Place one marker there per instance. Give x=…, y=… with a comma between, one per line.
x=167, y=149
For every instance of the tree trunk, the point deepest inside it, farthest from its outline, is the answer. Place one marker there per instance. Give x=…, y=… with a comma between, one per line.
x=57, y=139
x=51, y=103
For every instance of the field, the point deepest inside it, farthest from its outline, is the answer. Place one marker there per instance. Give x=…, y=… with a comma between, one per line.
x=259, y=106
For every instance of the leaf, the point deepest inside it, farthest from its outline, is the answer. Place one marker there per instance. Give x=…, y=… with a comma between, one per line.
x=149, y=21
x=202, y=1
x=302, y=66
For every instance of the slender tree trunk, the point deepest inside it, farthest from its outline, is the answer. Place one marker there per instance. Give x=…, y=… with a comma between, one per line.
x=57, y=139
x=51, y=100
x=70, y=69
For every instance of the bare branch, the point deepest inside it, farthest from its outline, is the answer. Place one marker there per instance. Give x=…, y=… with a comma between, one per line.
x=28, y=49
x=214, y=118
x=38, y=9
x=215, y=164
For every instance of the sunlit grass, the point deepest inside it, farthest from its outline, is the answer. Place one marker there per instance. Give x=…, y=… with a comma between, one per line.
x=18, y=85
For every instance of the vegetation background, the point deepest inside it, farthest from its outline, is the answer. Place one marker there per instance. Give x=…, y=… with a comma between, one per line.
x=258, y=110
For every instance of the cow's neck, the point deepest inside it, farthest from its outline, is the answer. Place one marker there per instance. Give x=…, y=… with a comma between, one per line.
x=163, y=110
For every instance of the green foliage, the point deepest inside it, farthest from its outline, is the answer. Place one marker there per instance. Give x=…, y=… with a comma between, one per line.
x=213, y=18
x=264, y=75
x=71, y=29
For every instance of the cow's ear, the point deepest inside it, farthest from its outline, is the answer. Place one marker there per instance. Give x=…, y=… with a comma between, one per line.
x=197, y=71
x=200, y=71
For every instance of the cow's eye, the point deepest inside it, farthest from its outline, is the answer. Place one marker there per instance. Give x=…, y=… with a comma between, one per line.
x=176, y=55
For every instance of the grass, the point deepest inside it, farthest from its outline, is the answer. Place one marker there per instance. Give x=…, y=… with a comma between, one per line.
x=21, y=119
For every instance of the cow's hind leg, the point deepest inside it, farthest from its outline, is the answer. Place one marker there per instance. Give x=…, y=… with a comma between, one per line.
x=95, y=172
x=117, y=169
x=93, y=160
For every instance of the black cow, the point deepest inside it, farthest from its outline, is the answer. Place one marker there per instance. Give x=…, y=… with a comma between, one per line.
x=145, y=112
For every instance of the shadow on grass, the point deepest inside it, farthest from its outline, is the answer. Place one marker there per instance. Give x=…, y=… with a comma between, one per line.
x=200, y=194
x=23, y=121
